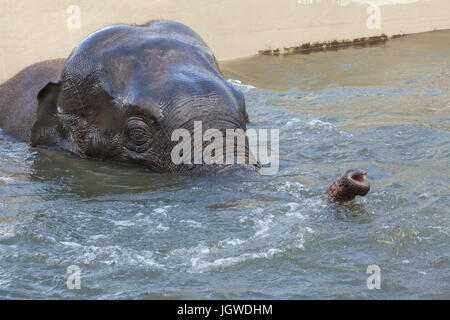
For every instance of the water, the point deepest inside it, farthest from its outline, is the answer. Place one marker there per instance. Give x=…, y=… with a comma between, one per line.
x=140, y=235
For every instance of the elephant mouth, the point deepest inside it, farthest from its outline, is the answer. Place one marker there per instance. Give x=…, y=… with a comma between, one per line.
x=359, y=177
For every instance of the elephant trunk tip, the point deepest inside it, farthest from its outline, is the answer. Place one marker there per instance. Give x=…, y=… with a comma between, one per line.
x=351, y=184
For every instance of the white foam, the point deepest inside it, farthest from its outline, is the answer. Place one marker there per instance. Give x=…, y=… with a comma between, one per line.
x=205, y=266
x=193, y=224
x=117, y=255
x=227, y=243
x=6, y=180
x=292, y=188
x=200, y=249
x=97, y=237
x=294, y=210
x=239, y=85
x=298, y=243
x=162, y=228
x=162, y=210
x=263, y=225
x=320, y=123
x=71, y=244
x=293, y=121
x=292, y=205
x=124, y=223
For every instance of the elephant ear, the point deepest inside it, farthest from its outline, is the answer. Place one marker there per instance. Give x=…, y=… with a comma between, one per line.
x=47, y=130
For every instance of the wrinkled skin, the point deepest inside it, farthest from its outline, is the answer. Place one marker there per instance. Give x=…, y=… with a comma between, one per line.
x=122, y=92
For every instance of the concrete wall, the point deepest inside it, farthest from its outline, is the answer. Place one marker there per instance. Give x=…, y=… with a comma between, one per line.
x=34, y=30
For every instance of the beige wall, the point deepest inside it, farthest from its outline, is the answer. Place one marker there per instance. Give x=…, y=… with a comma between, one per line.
x=34, y=30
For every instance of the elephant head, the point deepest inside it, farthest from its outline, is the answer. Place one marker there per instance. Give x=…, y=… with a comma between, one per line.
x=125, y=89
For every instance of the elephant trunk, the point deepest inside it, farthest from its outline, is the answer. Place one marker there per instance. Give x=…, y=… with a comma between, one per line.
x=211, y=146
x=351, y=184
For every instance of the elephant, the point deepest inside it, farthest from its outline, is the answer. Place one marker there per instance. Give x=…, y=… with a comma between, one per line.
x=122, y=93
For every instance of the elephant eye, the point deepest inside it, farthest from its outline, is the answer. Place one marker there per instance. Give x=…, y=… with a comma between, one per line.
x=138, y=134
